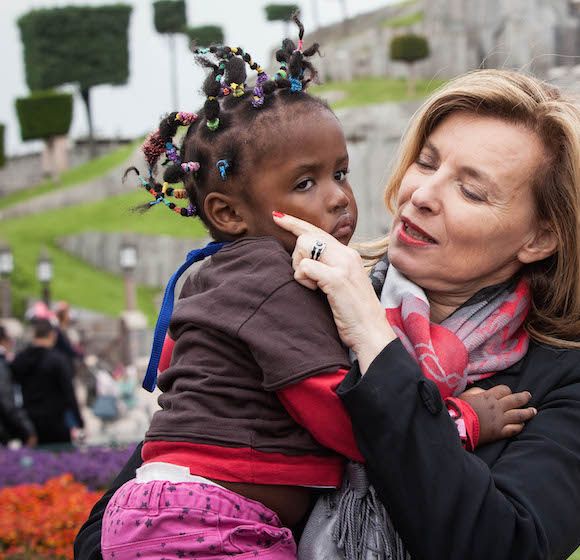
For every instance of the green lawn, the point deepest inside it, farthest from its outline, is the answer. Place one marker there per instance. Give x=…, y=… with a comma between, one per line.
x=575, y=556
x=74, y=280
x=80, y=174
x=368, y=91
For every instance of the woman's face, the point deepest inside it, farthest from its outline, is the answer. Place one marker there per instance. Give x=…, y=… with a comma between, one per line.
x=466, y=216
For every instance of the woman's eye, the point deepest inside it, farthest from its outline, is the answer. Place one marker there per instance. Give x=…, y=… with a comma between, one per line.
x=340, y=176
x=425, y=163
x=305, y=185
x=472, y=195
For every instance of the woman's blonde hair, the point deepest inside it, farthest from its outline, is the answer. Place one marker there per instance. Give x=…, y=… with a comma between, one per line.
x=526, y=101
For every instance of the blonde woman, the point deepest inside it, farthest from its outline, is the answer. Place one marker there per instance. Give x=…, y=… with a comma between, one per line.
x=480, y=280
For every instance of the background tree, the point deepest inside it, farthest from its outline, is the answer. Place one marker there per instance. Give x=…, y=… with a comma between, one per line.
x=281, y=12
x=409, y=49
x=82, y=45
x=47, y=115
x=170, y=18
x=205, y=35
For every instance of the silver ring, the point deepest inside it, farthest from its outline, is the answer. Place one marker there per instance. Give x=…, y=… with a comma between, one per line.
x=317, y=250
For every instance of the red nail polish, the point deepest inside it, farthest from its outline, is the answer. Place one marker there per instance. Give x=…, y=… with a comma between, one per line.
x=278, y=214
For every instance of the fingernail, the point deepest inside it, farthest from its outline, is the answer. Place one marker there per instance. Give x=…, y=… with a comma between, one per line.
x=277, y=214
x=535, y=411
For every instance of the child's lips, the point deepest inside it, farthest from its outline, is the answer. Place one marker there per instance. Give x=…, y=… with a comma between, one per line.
x=344, y=228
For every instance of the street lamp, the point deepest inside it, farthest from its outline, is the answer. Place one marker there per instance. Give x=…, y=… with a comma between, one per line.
x=6, y=269
x=44, y=275
x=128, y=263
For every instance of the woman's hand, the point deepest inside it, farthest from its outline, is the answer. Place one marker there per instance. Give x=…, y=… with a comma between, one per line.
x=358, y=314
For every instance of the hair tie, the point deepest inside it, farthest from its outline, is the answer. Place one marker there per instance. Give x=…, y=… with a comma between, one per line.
x=295, y=85
x=186, y=118
x=171, y=152
x=213, y=124
x=190, y=166
x=237, y=89
x=223, y=166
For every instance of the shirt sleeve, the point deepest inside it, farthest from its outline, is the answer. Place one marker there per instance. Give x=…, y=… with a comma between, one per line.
x=314, y=404
x=449, y=504
x=292, y=336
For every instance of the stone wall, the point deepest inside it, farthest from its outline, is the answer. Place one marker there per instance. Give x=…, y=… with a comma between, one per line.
x=463, y=35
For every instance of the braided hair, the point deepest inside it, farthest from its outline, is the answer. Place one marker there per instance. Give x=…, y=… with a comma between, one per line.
x=230, y=134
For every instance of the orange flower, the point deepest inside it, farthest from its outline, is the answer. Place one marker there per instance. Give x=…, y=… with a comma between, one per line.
x=44, y=520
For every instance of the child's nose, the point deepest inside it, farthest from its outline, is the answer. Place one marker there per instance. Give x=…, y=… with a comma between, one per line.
x=338, y=197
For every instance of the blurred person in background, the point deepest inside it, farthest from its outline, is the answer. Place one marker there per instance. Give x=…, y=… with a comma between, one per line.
x=14, y=422
x=67, y=339
x=45, y=377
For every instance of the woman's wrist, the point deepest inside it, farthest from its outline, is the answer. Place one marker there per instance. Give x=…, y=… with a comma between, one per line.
x=375, y=342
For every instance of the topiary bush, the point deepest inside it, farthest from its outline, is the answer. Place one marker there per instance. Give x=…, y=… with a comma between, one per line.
x=82, y=45
x=44, y=114
x=76, y=44
x=169, y=16
x=2, y=155
x=205, y=35
x=280, y=12
x=409, y=48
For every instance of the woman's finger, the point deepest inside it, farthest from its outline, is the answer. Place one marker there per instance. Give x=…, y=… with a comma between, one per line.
x=295, y=225
x=301, y=277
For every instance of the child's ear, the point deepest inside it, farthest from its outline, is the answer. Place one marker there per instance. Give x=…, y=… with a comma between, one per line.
x=222, y=211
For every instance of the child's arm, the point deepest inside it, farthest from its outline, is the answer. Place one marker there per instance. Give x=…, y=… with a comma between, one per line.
x=314, y=404
x=489, y=415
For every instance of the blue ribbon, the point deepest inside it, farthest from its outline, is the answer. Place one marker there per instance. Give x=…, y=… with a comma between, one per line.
x=150, y=380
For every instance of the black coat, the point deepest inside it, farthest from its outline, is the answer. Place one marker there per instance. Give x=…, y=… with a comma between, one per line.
x=14, y=422
x=45, y=376
x=516, y=499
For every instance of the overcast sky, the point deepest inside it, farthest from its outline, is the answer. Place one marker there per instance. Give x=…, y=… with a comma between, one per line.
x=135, y=108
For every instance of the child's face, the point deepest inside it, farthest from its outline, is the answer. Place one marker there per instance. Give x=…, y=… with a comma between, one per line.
x=303, y=174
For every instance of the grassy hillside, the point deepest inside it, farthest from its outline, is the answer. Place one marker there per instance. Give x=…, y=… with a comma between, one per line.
x=77, y=175
x=368, y=91
x=75, y=280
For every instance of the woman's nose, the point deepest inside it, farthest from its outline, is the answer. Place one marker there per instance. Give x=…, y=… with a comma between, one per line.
x=426, y=195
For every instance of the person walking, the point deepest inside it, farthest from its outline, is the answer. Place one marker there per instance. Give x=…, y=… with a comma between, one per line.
x=45, y=376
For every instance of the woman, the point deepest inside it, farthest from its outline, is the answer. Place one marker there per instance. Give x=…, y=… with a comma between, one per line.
x=486, y=204
x=486, y=199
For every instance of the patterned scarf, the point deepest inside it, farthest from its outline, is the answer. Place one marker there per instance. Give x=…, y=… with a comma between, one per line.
x=483, y=336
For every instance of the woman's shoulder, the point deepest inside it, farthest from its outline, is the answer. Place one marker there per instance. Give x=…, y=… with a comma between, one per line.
x=559, y=365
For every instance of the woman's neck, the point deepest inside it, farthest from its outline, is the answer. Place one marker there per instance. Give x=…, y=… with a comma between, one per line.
x=443, y=305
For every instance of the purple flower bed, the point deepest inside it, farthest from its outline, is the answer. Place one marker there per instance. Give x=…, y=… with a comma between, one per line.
x=96, y=467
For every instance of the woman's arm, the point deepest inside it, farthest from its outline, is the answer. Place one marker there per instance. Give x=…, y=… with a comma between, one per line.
x=449, y=504
x=358, y=314
x=87, y=545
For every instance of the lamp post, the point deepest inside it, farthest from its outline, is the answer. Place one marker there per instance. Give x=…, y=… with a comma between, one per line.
x=128, y=262
x=44, y=275
x=6, y=269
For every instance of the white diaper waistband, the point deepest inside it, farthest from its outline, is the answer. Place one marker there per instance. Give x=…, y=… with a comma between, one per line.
x=169, y=473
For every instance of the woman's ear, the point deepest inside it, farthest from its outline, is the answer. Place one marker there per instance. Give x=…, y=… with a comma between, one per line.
x=543, y=244
x=222, y=211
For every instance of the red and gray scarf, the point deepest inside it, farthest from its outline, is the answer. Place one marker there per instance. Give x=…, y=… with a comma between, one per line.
x=484, y=336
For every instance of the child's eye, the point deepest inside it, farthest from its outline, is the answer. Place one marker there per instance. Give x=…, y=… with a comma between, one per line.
x=305, y=185
x=340, y=176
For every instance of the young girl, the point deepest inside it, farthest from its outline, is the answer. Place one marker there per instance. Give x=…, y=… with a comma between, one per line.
x=250, y=420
